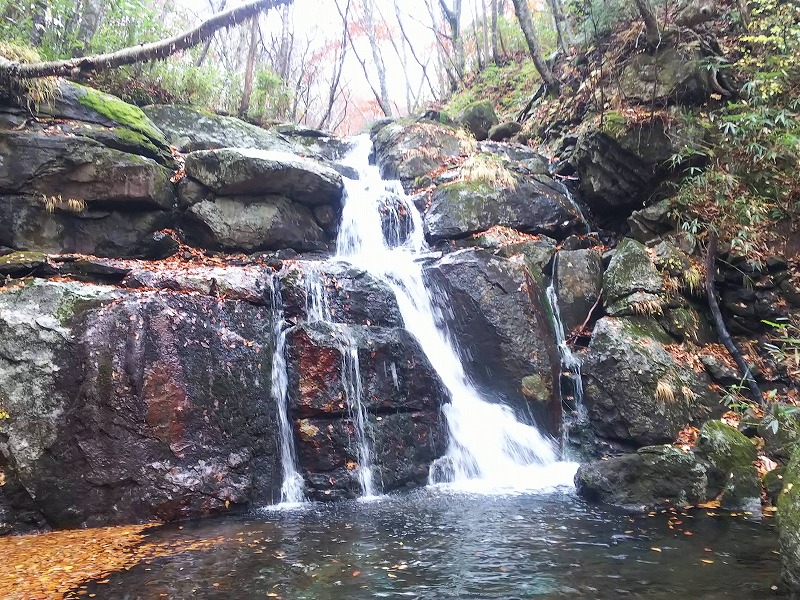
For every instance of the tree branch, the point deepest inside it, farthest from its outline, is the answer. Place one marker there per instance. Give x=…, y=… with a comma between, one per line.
x=141, y=53
x=719, y=323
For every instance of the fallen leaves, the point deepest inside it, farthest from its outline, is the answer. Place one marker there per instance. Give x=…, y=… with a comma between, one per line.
x=50, y=565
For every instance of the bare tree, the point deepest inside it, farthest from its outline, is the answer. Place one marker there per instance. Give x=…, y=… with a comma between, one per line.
x=495, y=53
x=526, y=24
x=334, y=89
x=453, y=18
x=650, y=23
x=249, y=71
x=207, y=45
x=140, y=53
x=560, y=22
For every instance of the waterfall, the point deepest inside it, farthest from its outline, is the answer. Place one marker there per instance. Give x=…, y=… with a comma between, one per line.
x=569, y=362
x=318, y=309
x=292, y=487
x=489, y=450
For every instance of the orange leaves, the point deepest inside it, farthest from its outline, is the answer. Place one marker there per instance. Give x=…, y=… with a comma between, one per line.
x=686, y=438
x=47, y=566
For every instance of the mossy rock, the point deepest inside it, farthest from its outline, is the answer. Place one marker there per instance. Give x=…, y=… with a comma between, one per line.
x=789, y=523
x=632, y=284
x=733, y=454
x=479, y=118
x=18, y=263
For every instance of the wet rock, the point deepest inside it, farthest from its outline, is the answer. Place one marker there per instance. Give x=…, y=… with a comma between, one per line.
x=501, y=329
x=249, y=172
x=247, y=224
x=523, y=156
x=190, y=129
x=479, y=118
x=632, y=284
x=81, y=170
x=128, y=406
x=653, y=476
x=537, y=253
x=578, y=284
x=26, y=223
x=353, y=296
x=400, y=392
x=636, y=393
x=20, y=264
x=651, y=222
x=249, y=284
x=461, y=208
x=408, y=150
x=733, y=455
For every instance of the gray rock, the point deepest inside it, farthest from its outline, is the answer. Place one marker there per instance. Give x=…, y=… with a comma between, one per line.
x=636, y=393
x=24, y=223
x=248, y=172
x=190, y=129
x=650, y=222
x=789, y=524
x=578, y=284
x=248, y=224
x=667, y=76
x=653, y=476
x=733, y=455
x=75, y=168
x=462, y=208
x=504, y=131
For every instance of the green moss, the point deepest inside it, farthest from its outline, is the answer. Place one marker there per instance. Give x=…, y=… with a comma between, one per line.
x=535, y=387
x=733, y=454
x=120, y=112
x=22, y=259
x=642, y=327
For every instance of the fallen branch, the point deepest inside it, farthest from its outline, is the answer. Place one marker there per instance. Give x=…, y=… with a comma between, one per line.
x=719, y=323
x=142, y=53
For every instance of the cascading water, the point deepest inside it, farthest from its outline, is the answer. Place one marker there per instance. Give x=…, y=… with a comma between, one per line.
x=570, y=363
x=292, y=487
x=489, y=450
x=318, y=309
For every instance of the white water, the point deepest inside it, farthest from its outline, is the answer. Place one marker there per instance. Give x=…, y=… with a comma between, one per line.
x=489, y=450
x=292, y=487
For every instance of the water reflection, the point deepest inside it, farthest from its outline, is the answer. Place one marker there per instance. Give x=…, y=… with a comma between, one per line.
x=438, y=545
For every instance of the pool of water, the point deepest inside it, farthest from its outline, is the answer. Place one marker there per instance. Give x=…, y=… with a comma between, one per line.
x=433, y=544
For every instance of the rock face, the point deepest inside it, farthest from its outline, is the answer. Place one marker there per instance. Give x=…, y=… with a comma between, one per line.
x=667, y=76
x=789, y=523
x=333, y=368
x=501, y=330
x=632, y=284
x=460, y=209
x=125, y=406
x=636, y=393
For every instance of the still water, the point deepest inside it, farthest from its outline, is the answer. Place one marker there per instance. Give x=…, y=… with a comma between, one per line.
x=433, y=544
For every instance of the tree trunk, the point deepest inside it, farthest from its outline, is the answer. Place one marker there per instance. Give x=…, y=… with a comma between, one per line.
x=144, y=52
x=207, y=45
x=250, y=68
x=485, y=32
x=495, y=51
x=558, y=21
x=650, y=23
x=526, y=24
x=372, y=36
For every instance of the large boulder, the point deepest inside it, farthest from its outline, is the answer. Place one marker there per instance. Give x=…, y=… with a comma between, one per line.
x=253, y=223
x=25, y=223
x=667, y=76
x=127, y=406
x=651, y=477
x=409, y=150
x=501, y=328
x=249, y=172
x=479, y=118
x=462, y=208
x=190, y=129
x=334, y=368
x=636, y=393
x=80, y=169
x=578, y=282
